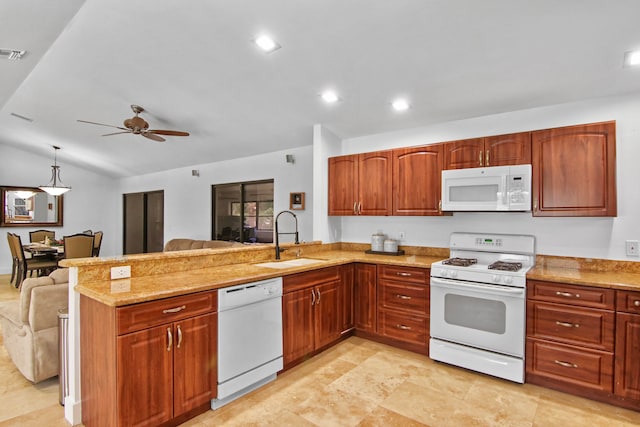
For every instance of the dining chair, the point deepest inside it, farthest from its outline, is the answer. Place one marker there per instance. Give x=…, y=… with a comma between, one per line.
x=43, y=265
x=41, y=235
x=97, y=242
x=78, y=246
x=14, y=258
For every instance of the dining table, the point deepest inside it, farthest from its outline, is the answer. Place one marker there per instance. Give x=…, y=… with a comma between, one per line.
x=40, y=249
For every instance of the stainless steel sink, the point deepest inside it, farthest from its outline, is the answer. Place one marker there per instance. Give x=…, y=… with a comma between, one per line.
x=297, y=262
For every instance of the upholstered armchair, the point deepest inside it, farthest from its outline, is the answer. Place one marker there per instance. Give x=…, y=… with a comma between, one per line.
x=30, y=325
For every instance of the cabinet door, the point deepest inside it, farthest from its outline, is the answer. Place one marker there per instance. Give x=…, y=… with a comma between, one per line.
x=343, y=178
x=574, y=171
x=374, y=183
x=365, y=297
x=297, y=321
x=327, y=314
x=627, y=376
x=511, y=149
x=416, y=180
x=195, y=366
x=467, y=153
x=145, y=377
x=345, y=300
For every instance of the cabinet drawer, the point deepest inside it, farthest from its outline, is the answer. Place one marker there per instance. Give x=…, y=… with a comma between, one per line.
x=404, y=296
x=571, y=365
x=406, y=274
x=628, y=301
x=147, y=314
x=585, y=296
x=299, y=281
x=573, y=325
x=403, y=327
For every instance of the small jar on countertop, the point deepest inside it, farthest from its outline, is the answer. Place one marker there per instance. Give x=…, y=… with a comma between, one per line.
x=377, y=242
x=390, y=245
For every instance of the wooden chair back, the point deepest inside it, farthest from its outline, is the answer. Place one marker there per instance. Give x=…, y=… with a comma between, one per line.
x=97, y=241
x=40, y=235
x=78, y=246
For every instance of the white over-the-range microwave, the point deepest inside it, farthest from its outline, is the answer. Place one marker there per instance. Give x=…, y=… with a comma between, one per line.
x=496, y=188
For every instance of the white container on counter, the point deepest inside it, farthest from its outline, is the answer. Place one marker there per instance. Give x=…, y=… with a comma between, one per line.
x=377, y=242
x=390, y=245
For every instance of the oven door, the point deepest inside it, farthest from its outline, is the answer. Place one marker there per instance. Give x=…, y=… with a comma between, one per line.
x=479, y=315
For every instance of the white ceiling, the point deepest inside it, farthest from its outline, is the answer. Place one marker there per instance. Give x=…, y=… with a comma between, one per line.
x=193, y=67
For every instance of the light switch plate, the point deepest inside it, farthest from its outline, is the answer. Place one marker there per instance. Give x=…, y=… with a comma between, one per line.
x=122, y=272
x=632, y=248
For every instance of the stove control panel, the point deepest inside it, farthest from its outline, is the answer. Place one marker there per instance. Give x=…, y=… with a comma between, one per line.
x=488, y=242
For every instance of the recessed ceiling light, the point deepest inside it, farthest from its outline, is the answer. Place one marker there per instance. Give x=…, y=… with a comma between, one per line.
x=266, y=43
x=330, y=96
x=632, y=58
x=400, y=104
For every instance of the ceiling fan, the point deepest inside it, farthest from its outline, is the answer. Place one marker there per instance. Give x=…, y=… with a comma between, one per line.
x=139, y=126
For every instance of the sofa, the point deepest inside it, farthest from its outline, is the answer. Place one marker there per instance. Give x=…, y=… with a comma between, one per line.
x=188, y=244
x=30, y=325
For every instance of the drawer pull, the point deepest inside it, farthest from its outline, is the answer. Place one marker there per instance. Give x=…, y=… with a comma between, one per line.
x=313, y=297
x=567, y=324
x=169, y=339
x=567, y=294
x=403, y=327
x=636, y=303
x=403, y=274
x=174, y=310
x=405, y=297
x=565, y=364
x=179, y=336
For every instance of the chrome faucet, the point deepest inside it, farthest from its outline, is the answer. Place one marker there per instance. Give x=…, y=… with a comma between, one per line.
x=278, y=249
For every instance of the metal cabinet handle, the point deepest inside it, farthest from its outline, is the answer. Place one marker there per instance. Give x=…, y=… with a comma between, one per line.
x=403, y=327
x=567, y=324
x=355, y=208
x=179, y=336
x=636, y=303
x=174, y=310
x=486, y=163
x=400, y=273
x=405, y=297
x=565, y=364
x=169, y=339
x=313, y=297
x=440, y=206
x=318, y=291
x=359, y=208
x=480, y=158
x=567, y=294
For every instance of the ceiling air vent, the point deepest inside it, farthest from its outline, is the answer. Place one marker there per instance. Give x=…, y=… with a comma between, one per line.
x=12, y=54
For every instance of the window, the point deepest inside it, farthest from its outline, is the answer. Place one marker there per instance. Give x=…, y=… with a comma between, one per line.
x=243, y=212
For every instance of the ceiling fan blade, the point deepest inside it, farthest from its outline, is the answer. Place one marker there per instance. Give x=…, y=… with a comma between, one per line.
x=116, y=133
x=152, y=136
x=168, y=132
x=102, y=124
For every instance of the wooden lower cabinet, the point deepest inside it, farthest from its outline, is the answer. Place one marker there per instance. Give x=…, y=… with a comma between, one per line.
x=311, y=312
x=365, y=297
x=162, y=372
x=627, y=364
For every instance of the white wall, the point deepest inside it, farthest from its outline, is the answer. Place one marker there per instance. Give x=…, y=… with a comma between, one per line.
x=187, y=199
x=582, y=237
x=91, y=203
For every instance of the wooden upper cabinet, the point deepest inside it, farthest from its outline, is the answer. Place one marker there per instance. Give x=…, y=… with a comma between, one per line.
x=500, y=150
x=574, y=170
x=416, y=180
x=360, y=184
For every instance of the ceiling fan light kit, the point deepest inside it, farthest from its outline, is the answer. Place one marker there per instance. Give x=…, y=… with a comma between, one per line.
x=55, y=186
x=138, y=126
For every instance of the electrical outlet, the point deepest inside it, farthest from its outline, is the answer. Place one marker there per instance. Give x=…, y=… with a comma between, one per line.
x=401, y=235
x=632, y=248
x=122, y=272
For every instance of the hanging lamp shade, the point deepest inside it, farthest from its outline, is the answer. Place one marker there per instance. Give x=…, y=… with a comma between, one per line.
x=55, y=186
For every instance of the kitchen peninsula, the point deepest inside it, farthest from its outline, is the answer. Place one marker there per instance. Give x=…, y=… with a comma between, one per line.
x=193, y=274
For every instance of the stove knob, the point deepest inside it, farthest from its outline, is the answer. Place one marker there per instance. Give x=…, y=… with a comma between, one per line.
x=495, y=278
x=442, y=273
x=508, y=280
x=454, y=274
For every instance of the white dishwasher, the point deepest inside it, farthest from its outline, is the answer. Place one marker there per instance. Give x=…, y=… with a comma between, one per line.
x=249, y=338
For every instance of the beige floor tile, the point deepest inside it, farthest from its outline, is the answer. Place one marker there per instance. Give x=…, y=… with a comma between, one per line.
x=334, y=409
x=382, y=417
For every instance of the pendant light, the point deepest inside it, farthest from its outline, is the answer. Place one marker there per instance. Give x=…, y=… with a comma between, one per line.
x=55, y=186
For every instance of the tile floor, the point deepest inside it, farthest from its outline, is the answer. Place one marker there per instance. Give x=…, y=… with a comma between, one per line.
x=355, y=383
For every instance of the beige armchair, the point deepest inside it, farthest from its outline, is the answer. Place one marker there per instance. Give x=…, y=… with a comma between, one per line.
x=30, y=325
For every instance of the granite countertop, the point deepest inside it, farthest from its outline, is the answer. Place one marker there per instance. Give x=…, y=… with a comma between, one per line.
x=147, y=287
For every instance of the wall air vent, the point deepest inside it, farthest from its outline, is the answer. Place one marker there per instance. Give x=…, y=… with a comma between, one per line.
x=12, y=54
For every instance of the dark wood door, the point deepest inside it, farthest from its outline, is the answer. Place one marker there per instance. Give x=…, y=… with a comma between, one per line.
x=195, y=362
x=327, y=313
x=574, y=171
x=143, y=222
x=343, y=176
x=297, y=321
x=145, y=377
x=375, y=183
x=345, y=299
x=627, y=373
x=416, y=180
x=154, y=221
x=365, y=297
x=466, y=153
x=511, y=149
